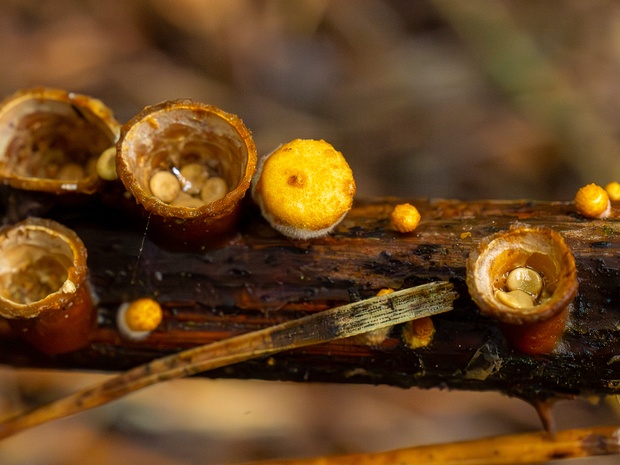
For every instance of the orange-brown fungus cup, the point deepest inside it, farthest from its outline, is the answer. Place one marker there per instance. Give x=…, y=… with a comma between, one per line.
x=304, y=188
x=526, y=279
x=189, y=165
x=43, y=285
x=50, y=140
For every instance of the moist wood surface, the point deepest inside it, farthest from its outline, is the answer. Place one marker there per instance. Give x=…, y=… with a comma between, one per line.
x=255, y=278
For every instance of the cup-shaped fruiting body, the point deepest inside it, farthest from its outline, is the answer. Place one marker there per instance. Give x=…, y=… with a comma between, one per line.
x=138, y=319
x=189, y=165
x=44, y=292
x=526, y=279
x=50, y=140
x=592, y=201
x=304, y=188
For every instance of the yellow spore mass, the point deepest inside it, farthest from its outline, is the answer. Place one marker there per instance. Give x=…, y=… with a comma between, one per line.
x=592, y=201
x=613, y=190
x=405, y=217
x=143, y=315
x=304, y=188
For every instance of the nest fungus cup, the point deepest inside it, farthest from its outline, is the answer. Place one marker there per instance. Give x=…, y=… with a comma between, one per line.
x=189, y=165
x=43, y=285
x=50, y=140
x=304, y=188
x=526, y=279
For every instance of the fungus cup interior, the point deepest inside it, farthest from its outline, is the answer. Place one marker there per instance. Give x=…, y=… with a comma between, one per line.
x=50, y=140
x=170, y=135
x=542, y=250
x=40, y=268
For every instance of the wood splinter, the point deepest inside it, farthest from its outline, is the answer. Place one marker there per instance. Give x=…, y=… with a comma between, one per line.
x=339, y=322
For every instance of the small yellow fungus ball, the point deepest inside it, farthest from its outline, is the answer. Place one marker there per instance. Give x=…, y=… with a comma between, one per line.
x=165, y=186
x=405, y=218
x=106, y=165
x=385, y=291
x=213, y=189
x=193, y=176
x=70, y=172
x=592, y=201
x=526, y=280
x=418, y=333
x=304, y=188
x=515, y=299
x=136, y=320
x=613, y=190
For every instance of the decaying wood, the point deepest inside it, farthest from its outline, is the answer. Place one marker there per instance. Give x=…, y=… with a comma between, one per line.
x=349, y=320
x=257, y=278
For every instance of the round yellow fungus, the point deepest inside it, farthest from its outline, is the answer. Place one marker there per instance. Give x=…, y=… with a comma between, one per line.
x=304, y=188
x=405, y=217
x=165, y=186
x=136, y=320
x=613, y=190
x=213, y=189
x=106, y=164
x=592, y=201
x=193, y=176
x=525, y=279
x=418, y=333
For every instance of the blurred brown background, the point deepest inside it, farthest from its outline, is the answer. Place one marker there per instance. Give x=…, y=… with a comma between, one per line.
x=428, y=98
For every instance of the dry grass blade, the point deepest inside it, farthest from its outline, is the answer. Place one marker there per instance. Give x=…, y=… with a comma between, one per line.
x=512, y=449
x=345, y=321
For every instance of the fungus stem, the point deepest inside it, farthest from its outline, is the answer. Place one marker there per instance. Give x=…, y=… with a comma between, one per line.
x=510, y=449
x=339, y=322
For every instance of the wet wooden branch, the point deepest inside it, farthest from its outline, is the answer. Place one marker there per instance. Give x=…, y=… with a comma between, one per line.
x=257, y=278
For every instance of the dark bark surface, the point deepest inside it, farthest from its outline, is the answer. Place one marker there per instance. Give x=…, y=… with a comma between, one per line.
x=256, y=278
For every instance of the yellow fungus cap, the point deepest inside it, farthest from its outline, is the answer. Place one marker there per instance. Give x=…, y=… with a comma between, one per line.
x=613, y=190
x=592, y=201
x=304, y=188
x=405, y=217
x=137, y=319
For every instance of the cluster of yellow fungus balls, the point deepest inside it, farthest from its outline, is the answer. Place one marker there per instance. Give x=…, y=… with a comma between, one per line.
x=592, y=201
x=193, y=185
x=57, y=167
